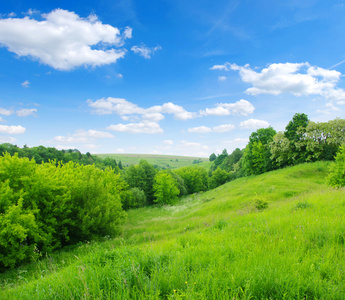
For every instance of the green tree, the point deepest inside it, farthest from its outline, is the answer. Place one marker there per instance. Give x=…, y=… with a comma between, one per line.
x=212, y=157
x=257, y=155
x=229, y=162
x=295, y=129
x=166, y=188
x=218, y=178
x=336, y=177
x=194, y=177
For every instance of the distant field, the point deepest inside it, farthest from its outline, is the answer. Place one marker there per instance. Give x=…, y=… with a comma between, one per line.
x=165, y=161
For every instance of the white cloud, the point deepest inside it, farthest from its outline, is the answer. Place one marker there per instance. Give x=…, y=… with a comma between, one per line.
x=12, y=129
x=5, y=112
x=224, y=128
x=7, y=139
x=222, y=78
x=299, y=79
x=193, y=145
x=123, y=107
x=220, y=67
x=63, y=40
x=254, y=124
x=26, y=112
x=241, y=107
x=119, y=75
x=168, y=142
x=142, y=127
x=2, y=120
x=200, y=129
x=83, y=136
x=145, y=51
x=25, y=84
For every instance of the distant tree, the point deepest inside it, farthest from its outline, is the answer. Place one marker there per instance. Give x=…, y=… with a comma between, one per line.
x=218, y=178
x=212, y=157
x=166, y=188
x=230, y=160
x=195, y=178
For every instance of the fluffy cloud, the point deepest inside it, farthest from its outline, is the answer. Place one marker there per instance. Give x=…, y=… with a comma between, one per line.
x=254, y=124
x=12, y=129
x=63, y=40
x=145, y=51
x=224, y=128
x=200, y=129
x=142, y=127
x=217, y=129
x=83, y=136
x=26, y=112
x=241, y=107
x=25, y=84
x=5, y=112
x=299, y=79
x=222, y=78
x=123, y=107
x=193, y=145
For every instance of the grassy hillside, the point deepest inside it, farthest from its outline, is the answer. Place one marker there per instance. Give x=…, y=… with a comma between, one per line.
x=166, y=161
x=279, y=235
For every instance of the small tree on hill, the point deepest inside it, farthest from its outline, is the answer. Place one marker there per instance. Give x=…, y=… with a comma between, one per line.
x=336, y=177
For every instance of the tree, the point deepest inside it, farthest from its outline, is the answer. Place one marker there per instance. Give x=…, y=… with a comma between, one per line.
x=212, y=157
x=336, y=176
x=166, y=188
x=322, y=140
x=257, y=155
x=195, y=178
x=296, y=127
x=218, y=178
x=230, y=160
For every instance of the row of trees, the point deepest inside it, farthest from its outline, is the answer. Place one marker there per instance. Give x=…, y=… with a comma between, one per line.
x=302, y=141
x=43, y=154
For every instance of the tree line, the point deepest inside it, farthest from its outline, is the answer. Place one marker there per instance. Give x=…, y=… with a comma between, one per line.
x=267, y=150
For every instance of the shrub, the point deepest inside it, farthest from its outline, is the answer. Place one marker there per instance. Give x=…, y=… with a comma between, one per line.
x=336, y=177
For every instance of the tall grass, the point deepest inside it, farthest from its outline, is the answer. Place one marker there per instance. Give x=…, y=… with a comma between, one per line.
x=215, y=245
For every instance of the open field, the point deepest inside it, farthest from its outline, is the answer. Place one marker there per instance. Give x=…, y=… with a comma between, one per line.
x=280, y=235
x=164, y=161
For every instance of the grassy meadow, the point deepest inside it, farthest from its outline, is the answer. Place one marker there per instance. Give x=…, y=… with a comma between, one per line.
x=280, y=235
x=164, y=161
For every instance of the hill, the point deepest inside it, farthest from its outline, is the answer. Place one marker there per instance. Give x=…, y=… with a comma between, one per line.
x=163, y=161
x=279, y=235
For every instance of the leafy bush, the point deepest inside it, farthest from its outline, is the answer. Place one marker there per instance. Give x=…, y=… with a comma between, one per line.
x=336, y=176
x=44, y=207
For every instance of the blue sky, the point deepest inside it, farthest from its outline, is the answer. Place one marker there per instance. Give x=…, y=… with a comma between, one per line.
x=166, y=77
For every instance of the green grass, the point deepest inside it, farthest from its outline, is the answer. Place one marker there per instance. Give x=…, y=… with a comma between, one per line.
x=219, y=244
x=164, y=161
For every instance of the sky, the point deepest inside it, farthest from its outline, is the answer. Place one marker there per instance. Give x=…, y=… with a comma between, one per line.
x=168, y=77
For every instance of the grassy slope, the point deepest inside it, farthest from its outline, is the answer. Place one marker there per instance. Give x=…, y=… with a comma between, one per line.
x=166, y=161
x=215, y=245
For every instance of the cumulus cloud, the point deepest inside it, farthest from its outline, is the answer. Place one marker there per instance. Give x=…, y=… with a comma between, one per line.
x=145, y=51
x=224, y=128
x=299, y=79
x=216, y=129
x=200, y=129
x=64, y=40
x=83, y=136
x=141, y=127
x=25, y=84
x=26, y=112
x=254, y=124
x=12, y=129
x=5, y=112
x=123, y=107
x=241, y=107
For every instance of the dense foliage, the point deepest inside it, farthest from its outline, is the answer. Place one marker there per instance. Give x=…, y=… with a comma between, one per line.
x=336, y=176
x=43, y=154
x=44, y=207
